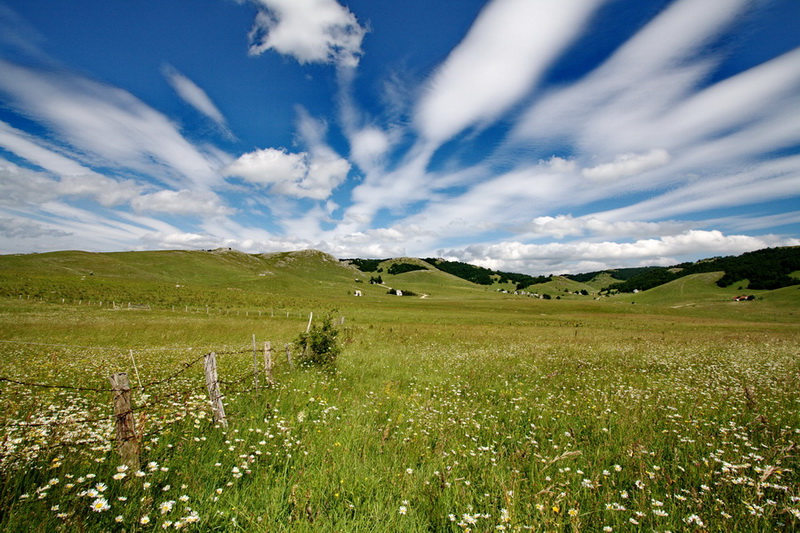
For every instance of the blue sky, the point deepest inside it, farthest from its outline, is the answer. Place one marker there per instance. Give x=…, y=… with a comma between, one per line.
x=536, y=136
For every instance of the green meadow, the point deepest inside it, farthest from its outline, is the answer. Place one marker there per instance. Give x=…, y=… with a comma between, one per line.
x=461, y=408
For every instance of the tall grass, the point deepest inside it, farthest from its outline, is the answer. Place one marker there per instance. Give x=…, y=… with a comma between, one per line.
x=441, y=417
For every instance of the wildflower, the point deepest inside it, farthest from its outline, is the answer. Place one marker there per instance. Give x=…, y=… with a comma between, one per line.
x=660, y=512
x=166, y=507
x=166, y=525
x=119, y=475
x=403, y=509
x=192, y=518
x=53, y=481
x=100, y=505
x=555, y=508
x=144, y=520
x=409, y=470
x=92, y=493
x=572, y=512
x=608, y=529
x=617, y=468
x=184, y=498
x=118, y=518
x=62, y=515
x=694, y=519
x=504, y=517
x=639, y=484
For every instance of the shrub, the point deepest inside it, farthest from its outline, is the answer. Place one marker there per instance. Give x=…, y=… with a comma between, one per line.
x=319, y=347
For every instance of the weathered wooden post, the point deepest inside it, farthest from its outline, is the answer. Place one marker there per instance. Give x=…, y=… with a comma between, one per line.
x=289, y=355
x=212, y=383
x=255, y=363
x=268, y=363
x=127, y=443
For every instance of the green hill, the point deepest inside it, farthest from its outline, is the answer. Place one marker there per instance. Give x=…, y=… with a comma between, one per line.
x=221, y=278
x=563, y=287
x=766, y=269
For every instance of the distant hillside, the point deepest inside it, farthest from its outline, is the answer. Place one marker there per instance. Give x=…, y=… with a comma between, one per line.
x=485, y=276
x=767, y=269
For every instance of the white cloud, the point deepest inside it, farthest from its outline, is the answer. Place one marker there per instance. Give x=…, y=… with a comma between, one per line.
x=311, y=31
x=183, y=202
x=106, y=191
x=107, y=125
x=624, y=87
x=562, y=226
x=32, y=149
x=301, y=175
x=195, y=97
x=556, y=258
x=505, y=52
x=25, y=228
x=368, y=147
x=758, y=182
x=20, y=185
x=627, y=165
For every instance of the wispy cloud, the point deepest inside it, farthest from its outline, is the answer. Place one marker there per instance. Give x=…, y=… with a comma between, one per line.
x=311, y=31
x=501, y=58
x=183, y=202
x=196, y=97
x=107, y=126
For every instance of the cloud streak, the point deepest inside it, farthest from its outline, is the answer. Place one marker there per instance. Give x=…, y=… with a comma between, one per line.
x=498, y=62
x=106, y=125
x=196, y=97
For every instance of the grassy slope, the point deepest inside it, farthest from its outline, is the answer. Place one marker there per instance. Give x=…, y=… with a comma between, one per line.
x=558, y=284
x=432, y=394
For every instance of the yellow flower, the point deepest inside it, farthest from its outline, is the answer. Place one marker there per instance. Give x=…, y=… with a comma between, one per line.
x=556, y=508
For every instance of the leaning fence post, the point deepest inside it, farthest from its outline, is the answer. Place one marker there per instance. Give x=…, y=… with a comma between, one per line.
x=268, y=362
x=210, y=369
x=127, y=444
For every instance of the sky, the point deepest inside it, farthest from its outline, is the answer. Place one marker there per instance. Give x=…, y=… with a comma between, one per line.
x=531, y=136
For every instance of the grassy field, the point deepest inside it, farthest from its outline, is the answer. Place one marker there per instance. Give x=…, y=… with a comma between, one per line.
x=468, y=410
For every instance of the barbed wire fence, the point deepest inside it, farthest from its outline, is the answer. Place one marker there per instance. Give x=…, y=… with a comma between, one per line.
x=21, y=438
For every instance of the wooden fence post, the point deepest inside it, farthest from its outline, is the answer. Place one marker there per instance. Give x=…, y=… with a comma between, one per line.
x=255, y=363
x=289, y=355
x=210, y=369
x=127, y=444
x=268, y=362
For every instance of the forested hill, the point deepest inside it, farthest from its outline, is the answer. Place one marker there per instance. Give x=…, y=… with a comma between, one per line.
x=765, y=269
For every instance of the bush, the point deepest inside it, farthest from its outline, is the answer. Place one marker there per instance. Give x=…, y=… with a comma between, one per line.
x=319, y=346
